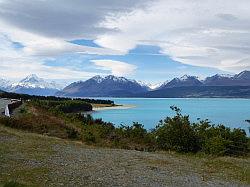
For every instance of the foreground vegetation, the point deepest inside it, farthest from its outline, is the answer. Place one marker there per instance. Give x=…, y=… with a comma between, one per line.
x=63, y=118
x=68, y=157
x=29, y=159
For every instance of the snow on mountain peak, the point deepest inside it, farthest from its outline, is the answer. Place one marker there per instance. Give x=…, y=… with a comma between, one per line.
x=100, y=79
x=97, y=78
x=224, y=75
x=243, y=75
x=186, y=77
x=151, y=86
x=117, y=79
x=33, y=81
x=4, y=83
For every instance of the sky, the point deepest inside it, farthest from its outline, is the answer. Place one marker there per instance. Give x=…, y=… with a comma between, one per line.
x=147, y=40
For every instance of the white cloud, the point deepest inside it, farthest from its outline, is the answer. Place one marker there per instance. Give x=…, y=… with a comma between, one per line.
x=207, y=33
x=20, y=68
x=63, y=18
x=39, y=45
x=44, y=29
x=16, y=64
x=117, y=68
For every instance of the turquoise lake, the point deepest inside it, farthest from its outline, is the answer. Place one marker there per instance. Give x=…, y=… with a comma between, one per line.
x=148, y=111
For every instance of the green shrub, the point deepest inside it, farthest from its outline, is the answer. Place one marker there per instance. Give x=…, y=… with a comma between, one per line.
x=215, y=146
x=89, y=137
x=212, y=138
x=176, y=134
x=73, y=133
x=237, y=143
x=23, y=111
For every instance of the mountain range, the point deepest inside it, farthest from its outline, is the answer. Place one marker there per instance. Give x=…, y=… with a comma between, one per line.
x=185, y=86
x=32, y=85
x=111, y=86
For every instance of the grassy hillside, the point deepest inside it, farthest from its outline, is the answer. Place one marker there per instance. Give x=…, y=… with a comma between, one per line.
x=38, y=160
x=62, y=153
x=61, y=119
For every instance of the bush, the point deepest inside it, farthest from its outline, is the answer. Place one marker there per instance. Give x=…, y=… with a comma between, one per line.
x=221, y=140
x=42, y=124
x=237, y=143
x=215, y=146
x=176, y=134
x=88, y=137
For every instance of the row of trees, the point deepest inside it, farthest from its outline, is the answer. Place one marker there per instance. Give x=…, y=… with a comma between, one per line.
x=65, y=106
x=52, y=98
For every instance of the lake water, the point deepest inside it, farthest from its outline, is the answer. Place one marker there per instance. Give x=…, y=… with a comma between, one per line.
x=230, y=112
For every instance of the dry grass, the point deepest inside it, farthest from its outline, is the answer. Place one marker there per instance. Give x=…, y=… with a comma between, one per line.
x=38, y=160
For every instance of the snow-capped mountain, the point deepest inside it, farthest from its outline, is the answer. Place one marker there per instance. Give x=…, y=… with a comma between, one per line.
x=149, y=86
x=112, y=86
x=4, y=84
x=244, y=75
x=218, y=80
x=33, y=81
x=154, y=86
x=241, y=79
x=34, y=85
x=103, y=87
x=185, y=80
x=237, y=86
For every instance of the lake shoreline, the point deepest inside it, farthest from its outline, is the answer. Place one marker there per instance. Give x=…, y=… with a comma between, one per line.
x=231, y=112
x=113, y=107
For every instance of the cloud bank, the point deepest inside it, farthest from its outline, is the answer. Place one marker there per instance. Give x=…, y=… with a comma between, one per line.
x=207, y=33
x=44, y=29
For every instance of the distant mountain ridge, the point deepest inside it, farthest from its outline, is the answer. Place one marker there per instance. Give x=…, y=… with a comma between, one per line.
x=109, y=86
x=185, y=86
x=231, y=86
x=182, y=81
x=4, y=84
x=33, y=81
x=32, y=85
x=241, y=79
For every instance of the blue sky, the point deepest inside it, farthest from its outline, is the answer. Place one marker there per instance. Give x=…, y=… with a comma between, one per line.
x=151, y=41
x=152, y=66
